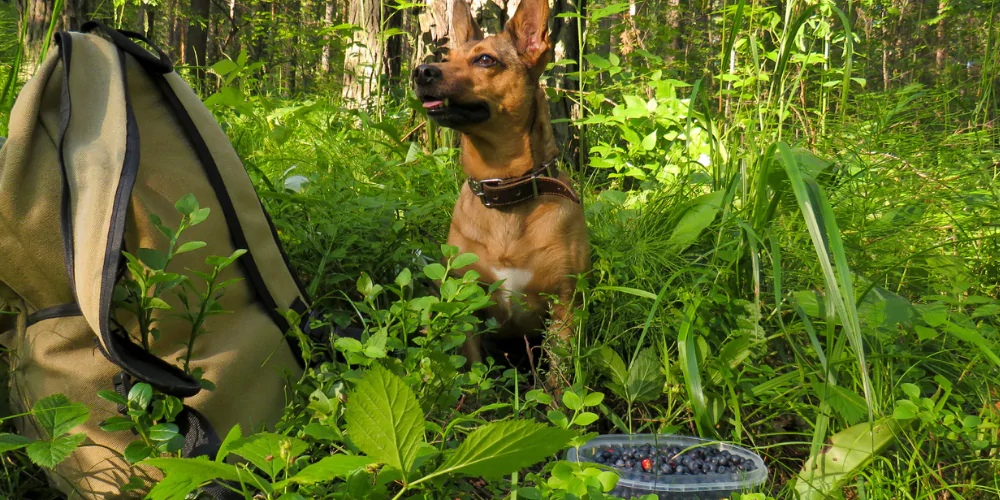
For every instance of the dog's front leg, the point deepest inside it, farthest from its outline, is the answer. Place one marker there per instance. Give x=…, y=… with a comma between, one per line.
x=559, y=345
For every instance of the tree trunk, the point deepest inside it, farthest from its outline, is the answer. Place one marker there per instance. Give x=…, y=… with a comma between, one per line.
x=565, y=37
x=197, y=37
x=39, y=15
x=365, y=58
x=324, y=60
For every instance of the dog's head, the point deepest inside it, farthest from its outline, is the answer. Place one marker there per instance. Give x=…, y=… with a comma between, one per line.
x=487, y=84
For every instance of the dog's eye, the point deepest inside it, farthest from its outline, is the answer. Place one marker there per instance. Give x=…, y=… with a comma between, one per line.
x=485, y=61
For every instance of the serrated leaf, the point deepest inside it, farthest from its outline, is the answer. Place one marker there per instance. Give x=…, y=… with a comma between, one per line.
x=264, y=451
x=645, y=382
x=329, y=468
x=501, y=448
x=384, y=420
x=11, y=442
x=184, y=475
x=57, y=415
x=615, y=368
x=50, y=453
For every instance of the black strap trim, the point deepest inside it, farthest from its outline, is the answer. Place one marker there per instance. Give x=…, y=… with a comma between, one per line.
x=65, y=43
x=123, y=39
x=60, y=311
x=239, y=239
x=133, y=359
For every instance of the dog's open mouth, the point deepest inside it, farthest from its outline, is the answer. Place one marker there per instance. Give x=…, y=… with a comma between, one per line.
x=450, y=113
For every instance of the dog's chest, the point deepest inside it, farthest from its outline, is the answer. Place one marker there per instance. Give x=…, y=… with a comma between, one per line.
x=510, y=295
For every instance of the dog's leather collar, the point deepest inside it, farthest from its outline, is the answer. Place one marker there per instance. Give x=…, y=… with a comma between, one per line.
x=541, y=180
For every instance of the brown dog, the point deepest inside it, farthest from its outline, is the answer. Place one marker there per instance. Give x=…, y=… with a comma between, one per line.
x=517, y=212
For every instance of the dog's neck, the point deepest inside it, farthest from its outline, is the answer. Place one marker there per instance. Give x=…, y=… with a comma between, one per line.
x=488, y=158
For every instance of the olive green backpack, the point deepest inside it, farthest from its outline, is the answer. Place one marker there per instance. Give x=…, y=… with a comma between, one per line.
x=105, y=135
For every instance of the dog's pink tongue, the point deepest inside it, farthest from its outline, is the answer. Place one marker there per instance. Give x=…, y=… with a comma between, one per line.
x=432, y=104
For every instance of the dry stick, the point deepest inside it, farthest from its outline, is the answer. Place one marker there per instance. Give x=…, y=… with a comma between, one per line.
x=408, y=134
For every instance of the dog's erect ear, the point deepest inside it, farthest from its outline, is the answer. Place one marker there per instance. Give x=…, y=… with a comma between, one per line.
x=529, y=29
x=463, y=25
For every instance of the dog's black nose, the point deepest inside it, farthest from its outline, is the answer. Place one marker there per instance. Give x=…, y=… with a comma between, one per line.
x=425, y=74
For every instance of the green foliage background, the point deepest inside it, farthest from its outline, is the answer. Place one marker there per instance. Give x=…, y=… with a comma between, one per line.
x=793, y=211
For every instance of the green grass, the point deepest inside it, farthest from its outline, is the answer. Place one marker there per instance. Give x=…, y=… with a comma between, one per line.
x=797, y=267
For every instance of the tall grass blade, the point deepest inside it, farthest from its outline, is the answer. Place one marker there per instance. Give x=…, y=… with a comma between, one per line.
x=825, y=235
x=687, y=352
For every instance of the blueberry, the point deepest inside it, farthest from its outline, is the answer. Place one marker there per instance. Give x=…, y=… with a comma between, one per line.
x=709, y=468
x=600, y=459
x=629, y=464
x=722, y=469
x=641, y=455
x=682, y=470
x=666, y=469
x=620, y=463
x=736, y=459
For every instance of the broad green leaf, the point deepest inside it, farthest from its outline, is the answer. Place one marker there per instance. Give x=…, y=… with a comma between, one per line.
x=152, y=259
x=264, y=451
x=113, y=397
x=593, y=399
x=329, y=468
x=187, y=204
x=50, y=453
x=11, y=442
x=57, y=415
x=184, y=475
x=117, y=423
x=140, y=395
x=234, y=434
x=501, y=448
x=384, y=420
x=585, y=418
x=136, y=451
x=434, y=271
x=158, y=303
x=649, y=142
x=645, y=381
x=615, y=368
x=847, y=403
x=404, y=277
x=163, y=432
x=463, y=260
x=845, y=454
x=572, y=400
x=695, y=220
x=190, y=246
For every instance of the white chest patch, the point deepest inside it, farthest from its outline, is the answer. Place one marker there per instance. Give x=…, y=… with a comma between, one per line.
x=515, y=281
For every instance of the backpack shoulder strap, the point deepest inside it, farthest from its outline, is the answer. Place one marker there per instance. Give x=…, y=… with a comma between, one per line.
x=98, y=147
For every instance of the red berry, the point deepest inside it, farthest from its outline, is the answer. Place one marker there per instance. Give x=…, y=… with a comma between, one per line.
x=647, y=463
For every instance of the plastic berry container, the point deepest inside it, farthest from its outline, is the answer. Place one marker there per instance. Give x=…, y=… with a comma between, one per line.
x=636, y=482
